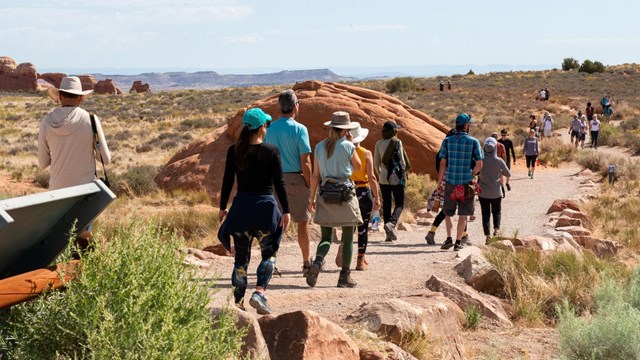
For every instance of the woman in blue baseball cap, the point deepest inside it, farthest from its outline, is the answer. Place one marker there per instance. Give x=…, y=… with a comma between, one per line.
x=258, y=169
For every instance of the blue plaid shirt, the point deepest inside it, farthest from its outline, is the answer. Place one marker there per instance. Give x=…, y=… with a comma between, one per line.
x=459, y=150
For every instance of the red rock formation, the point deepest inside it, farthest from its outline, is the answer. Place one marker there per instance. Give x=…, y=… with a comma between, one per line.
x=52, y=78
x=139, y=87
x=106, y=86
x=199, y=165
x=88, y=82
x=15, y=77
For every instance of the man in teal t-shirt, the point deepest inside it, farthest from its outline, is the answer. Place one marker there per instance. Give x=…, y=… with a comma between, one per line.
x=292, y=139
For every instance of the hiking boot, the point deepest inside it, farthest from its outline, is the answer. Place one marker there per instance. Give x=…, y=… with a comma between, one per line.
x=390, y=229
x=312, y=275
x=345, y=279
x=487, y=241
x=457, y=246
x=362, y=264
x=495, y=232
x=259, y=302
x=529, y=174
x=339, y=257
x=240, y=306
x=431, y=238
x=447, y=244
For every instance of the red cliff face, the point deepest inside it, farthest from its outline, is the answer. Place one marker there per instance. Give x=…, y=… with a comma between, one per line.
x=14, y=77
x=139, y=87
x=200, y=165
x=106, y=86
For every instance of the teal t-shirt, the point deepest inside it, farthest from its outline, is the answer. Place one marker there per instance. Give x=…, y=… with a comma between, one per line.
x=292, y=139
x=338, y=166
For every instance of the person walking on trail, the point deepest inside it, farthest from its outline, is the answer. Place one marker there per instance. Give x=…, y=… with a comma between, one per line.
x=543, y=95
x=595, y=130
x=502, y=154
x=456, y=176
x=584, y=127
x=547, y=126
x=367, y=193
x=589, y=111
x=441, y=85
x=449, y=85
x=533, y=124
x=547, y=94
x=489, y=180
x=391, y=164
x=69, y=145
x=606, y=104
x=258, y=170
x=430, y=237
x=574, y=130
x=292, y=140
x=509, y=149
x=531, y=152
x=333, y=195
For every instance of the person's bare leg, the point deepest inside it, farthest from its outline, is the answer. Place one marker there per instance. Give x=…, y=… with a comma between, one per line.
x=449, y=225
x=303, y=239
x=462, y=223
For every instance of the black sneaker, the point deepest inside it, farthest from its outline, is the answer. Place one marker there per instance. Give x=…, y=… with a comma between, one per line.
x=431, y=238
x=312, y=275
x=447, y=244
x=457, y=246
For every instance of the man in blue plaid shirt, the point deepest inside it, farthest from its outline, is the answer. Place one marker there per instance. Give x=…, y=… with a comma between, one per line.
x=455, y=174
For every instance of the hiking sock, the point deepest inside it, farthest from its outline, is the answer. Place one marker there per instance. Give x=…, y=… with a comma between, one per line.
x=325, y=241
x=347, y=246
x=433, y=229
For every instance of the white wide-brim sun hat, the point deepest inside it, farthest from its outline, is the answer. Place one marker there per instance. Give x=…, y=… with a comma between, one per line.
x=69, y=84
x=358, y=134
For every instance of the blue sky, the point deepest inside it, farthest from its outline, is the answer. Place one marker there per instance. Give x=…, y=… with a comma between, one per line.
x=304, y=34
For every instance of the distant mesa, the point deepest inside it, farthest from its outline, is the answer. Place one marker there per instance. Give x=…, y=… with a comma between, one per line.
x=198, y=165
x=17, y=77
x=139, y=87
x=106, y=86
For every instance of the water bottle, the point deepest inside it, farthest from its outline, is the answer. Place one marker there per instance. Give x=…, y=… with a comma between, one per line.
x=375, y=220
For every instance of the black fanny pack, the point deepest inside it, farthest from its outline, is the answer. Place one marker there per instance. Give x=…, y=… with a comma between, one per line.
x=336, y=192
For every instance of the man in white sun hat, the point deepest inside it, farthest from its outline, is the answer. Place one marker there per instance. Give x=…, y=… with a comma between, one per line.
x=66, y=142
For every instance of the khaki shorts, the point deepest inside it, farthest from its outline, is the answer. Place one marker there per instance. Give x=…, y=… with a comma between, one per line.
x=298, y=196
x=465, y=208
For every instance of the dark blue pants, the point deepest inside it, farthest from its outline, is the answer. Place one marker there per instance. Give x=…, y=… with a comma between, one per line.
x=387, y=191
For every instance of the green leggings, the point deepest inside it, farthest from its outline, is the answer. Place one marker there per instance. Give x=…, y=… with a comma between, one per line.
x=347, y=245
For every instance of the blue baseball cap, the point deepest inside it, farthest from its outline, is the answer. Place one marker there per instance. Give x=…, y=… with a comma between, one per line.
x=463, y=119
x=254, y=118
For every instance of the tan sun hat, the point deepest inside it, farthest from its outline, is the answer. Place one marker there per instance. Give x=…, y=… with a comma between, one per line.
x=69, y=84
x=359, y=134
x=341, y=120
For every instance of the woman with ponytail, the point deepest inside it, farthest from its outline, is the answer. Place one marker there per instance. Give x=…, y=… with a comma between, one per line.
x=335, y=160
x=258, y=170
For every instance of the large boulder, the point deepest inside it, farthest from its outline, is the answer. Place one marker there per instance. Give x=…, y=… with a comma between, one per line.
x=199, y=165
x=586, y=221
x=254, y=346
x=139, y=87
x=561, y=204
x=17, y=77
x=52, y=78
x=106, y=86
x=478, y=272
x=600, y=247
x=305, y=335
x=89, y=82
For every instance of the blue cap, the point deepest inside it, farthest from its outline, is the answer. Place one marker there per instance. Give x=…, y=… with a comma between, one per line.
x=463, y=119
x=254, y=118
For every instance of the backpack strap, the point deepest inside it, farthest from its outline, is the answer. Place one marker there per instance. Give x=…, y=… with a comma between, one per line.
x=96, y=139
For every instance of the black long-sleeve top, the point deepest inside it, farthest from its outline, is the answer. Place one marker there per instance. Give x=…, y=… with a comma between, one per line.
x=263, y=173
x=508, y=145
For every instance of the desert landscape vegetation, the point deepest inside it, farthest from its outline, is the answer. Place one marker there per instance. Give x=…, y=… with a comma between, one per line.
x=576, y=304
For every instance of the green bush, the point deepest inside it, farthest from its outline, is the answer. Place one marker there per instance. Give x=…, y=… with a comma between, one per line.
x=417, y=190
x=136, y=181
x=570, y=64
x=133, y=299
x=401, y=84
x=473, y=317
x=591, y=67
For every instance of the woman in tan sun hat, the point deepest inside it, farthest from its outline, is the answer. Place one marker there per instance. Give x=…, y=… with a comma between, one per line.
x=66, y=142
x=333, y=196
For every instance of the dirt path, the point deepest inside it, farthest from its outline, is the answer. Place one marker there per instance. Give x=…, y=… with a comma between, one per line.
x=402, y=267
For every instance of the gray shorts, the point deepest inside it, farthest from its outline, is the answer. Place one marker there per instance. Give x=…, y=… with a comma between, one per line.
x=298, y=196
x=466, y=207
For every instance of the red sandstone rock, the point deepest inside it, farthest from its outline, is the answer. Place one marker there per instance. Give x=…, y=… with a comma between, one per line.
x=200, y=164
x=14, y=77
x=106, y=86
x=254, y=346
x=478, y=272
x=561, y=204
x=52, y=78
x=217, y=249
x=88, y=82
x=139, y=87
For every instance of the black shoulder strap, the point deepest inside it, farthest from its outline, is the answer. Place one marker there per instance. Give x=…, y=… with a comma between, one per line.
x=97, y=145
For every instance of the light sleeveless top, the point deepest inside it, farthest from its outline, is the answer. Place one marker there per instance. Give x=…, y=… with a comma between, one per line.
x=360, y=177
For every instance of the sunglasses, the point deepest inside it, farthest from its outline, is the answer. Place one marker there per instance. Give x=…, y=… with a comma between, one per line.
x=267, y=124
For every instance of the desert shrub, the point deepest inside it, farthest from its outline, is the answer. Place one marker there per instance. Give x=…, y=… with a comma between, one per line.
x=133, y=299
x=473, y=317
x=591, y=67
x=612, y=331
x=470, y=72
x=418, y=344
x=41, y=178
x=593, y=160
x=137, y=181
x=570, y=64
x=190, y=223
x=401, y=84
x=553, y=152
x=609, y=135
x=417, y=190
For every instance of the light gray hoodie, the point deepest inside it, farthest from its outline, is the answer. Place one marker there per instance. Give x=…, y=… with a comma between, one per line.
x=492, y=168
x=66, y=143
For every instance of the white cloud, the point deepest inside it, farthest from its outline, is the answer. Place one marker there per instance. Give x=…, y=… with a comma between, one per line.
x=375, y=27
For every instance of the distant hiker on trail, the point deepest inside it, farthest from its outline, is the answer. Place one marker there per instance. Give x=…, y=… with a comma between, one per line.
x=590, y=110
x=508, y=146
x=547, y=94
x=595, y=130
x=333, y=195
x=493, y=169
x=455, y=175
x=292, y=139
x=502, y=154
x=367, y=193
x=533, y=124
x=574, y=130
x=606, y=104
x=430, y=237
x=547, y=126
x=258, y=170
x=584, y=127
x=531, y=152
x=69, y=144
x=543, y=95
x=392, y=165
x=449, y=85
x=441, y=85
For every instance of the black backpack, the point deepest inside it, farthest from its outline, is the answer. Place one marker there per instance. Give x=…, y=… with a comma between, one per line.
x=396, y=173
